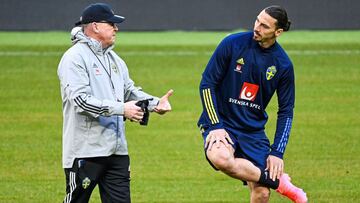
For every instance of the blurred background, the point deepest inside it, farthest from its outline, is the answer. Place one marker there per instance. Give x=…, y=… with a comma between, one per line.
x=167, y=44
x=145, y=15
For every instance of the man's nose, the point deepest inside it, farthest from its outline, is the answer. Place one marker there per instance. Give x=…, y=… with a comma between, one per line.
x=256, y=27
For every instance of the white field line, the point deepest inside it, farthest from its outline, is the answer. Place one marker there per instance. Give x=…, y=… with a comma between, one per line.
x=179, y=53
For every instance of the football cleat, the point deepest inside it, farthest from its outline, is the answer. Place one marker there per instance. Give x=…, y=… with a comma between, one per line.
x=289, y=190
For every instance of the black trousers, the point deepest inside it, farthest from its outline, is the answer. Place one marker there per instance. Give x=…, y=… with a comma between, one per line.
x=111, y=174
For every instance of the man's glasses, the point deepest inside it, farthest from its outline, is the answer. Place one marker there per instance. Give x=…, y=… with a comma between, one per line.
x=109, y=23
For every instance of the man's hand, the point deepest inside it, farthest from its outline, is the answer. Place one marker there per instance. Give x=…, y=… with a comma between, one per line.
x=275, y=166
x=164, y=104
x=217, y=136
x=133, y=112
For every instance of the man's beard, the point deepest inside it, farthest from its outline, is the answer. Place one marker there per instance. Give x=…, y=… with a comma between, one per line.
x=259, y=38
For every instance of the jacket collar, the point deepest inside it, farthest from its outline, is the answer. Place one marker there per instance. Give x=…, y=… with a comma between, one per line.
x=79, y=37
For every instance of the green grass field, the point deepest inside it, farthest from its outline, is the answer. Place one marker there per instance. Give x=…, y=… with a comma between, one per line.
x=167, y=159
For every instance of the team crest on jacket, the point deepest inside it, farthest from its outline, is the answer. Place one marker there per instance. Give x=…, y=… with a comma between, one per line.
x=270, y=72
x=239, y=63
x=113, y=66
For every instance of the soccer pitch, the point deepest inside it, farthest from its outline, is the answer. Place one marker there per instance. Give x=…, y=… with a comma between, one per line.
x=167, y=159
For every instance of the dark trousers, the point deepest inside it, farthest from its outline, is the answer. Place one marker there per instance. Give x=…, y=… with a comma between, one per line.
x=111, y=174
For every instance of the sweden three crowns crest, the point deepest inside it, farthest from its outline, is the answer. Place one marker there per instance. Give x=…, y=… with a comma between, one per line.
x=270, y=72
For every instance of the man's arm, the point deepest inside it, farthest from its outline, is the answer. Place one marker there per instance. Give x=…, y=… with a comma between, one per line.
x=211, y=78
x=286, y=99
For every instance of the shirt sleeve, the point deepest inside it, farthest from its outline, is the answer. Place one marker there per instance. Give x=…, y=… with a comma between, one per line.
x=211, y=78
x=286, y=100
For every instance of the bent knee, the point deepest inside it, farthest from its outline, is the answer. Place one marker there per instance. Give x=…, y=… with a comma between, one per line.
x=222, y=158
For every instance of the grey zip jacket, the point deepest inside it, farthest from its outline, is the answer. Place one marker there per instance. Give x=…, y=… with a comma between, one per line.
x=94, y=84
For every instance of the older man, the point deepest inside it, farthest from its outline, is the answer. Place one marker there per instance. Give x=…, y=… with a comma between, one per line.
x=98, y=96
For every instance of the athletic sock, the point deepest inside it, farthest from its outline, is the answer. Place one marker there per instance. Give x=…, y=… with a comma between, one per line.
x=266, y=181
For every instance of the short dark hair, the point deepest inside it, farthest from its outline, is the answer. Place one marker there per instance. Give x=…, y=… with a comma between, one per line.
x=279, y=13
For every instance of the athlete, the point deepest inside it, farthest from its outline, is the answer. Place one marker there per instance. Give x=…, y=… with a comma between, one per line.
x=242, y=75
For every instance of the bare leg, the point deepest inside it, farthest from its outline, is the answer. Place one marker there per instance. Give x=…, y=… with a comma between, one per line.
x=223, y=158
x=259, y=193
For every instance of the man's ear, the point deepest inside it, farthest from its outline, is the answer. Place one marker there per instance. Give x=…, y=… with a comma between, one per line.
x=278, y=32
x=95, y=27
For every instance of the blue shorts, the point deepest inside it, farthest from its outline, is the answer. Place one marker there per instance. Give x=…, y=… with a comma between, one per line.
x=253, y=146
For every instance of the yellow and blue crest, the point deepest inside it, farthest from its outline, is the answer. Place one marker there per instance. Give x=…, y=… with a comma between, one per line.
x=86, y=183
x=270, y=72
